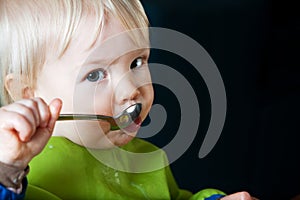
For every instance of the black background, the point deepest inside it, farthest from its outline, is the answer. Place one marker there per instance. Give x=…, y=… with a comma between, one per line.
x=255, y=44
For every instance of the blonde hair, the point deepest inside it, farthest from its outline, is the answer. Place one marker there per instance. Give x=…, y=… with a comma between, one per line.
x=31, y=28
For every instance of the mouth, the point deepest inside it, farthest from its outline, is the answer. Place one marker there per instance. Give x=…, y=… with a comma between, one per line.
x=133, y=127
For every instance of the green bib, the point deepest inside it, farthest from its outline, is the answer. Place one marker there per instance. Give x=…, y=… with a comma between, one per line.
x=138, y=170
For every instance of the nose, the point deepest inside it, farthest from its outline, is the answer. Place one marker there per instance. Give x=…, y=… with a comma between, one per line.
x=126, y=91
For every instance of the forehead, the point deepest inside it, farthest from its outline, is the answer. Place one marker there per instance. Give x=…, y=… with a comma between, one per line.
x=85, y=37
x=113, y=41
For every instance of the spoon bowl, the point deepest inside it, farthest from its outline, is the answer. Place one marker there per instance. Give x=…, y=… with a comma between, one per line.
x=122, y=120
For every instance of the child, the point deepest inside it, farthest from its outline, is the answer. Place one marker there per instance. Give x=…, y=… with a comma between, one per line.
x=57, y=57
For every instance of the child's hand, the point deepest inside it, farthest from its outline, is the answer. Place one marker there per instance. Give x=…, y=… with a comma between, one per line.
x=25, y=128
x=239, y=196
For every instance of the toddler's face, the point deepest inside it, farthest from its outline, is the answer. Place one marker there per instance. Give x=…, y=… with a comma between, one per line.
x=104, y=79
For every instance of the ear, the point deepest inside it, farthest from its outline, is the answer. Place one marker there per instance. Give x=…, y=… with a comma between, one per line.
x=18, y=88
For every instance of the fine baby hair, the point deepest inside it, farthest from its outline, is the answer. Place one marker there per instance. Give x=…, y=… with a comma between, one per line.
x=31, y=29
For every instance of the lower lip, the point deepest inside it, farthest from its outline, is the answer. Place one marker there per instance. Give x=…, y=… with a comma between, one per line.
x=134, y=126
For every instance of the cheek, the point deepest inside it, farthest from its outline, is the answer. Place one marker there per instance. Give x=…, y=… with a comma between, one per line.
x=91, y=99
x=56, y=89
x=148, y=93
x=102, y=102
x=148, y=96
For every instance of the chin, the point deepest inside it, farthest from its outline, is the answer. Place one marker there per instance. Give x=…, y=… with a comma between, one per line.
x=122, y=138
x=124, y=141
x=111, y=140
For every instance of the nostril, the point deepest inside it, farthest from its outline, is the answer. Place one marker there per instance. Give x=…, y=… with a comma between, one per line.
x=135, y=94
x=130, y=96
x=126, y=90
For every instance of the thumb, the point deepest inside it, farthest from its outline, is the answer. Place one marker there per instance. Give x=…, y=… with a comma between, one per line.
x=42, y=135
x=55, y=107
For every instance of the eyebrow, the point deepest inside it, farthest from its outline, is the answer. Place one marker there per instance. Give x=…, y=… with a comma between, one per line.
x=110, y=60
x=94, y=62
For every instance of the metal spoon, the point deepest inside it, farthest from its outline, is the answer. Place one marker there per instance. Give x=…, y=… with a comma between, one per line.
x=122, y=120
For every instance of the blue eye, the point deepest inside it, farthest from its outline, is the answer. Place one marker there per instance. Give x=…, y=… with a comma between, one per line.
x=138, y=62
x=96, y=75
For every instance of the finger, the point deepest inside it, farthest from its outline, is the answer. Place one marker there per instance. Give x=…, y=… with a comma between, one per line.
x=55, y=107
x=43, y=112
x=24, y=111
x=33, y=106
x=16, y=123
x=238, y=196
x=40, y=139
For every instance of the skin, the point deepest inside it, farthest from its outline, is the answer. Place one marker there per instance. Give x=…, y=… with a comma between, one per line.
x=109, y=95
x=25, y=128
x=27, y=124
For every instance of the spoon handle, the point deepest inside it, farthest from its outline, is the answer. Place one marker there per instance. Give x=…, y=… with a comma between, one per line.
x=66, y=117
x=124, y=119
x=63, y=117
